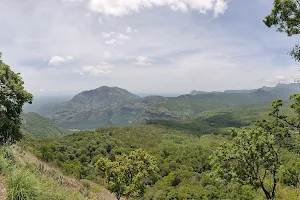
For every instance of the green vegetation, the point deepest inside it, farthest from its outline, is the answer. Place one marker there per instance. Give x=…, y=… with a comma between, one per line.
x=217, y=121
x=28, y=180
x=190, y=165
x=129, y=174
x=251, y=159
x=40, y=127
x=22, y=185
x=113, y=106
x=12, y=98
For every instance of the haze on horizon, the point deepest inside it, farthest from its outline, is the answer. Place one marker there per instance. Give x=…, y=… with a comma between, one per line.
x=150, y=47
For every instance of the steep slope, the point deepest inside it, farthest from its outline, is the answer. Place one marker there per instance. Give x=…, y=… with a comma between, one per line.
x=40, y=127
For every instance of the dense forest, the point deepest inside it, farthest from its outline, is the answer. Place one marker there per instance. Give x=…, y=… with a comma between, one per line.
x=108, y=143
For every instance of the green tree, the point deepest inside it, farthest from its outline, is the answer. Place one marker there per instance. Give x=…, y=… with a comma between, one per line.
x=250, y=159
x=12, y=98
x=129, y=174
x=292, y=121
x=285, y=16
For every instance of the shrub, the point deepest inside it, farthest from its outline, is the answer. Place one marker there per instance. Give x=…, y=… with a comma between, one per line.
x=22, y=185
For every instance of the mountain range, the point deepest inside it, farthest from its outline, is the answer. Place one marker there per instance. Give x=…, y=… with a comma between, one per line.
x=113, y=106
x=279, y=91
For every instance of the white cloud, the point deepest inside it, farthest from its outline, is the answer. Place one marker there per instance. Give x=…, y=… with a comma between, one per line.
x=143, y=61
x=106, y=54
x=72, y=0
x=130, y=30
x=220, y=7
x=112, y=41
x=57, y=60
x=279, y=79
x=99, y=70
x=108, y=34
x=180, y=6
x=120, y=36
x=100, y=21
x=121, y=8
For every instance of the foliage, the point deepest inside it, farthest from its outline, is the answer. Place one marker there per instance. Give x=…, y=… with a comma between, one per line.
x=129, y=174
x=291, y=173
x=183, y=159
x=12, y=97
x=286, y=16
x=252, y=159
x=217, y=121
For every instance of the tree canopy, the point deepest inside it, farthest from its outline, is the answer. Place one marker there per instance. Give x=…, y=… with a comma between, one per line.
x=251, y=158
x=129, y=174
x=12, y=98
x=285, y=16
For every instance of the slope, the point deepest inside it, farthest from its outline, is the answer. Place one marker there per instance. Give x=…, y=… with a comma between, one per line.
x=40, y=127
x=48, y=180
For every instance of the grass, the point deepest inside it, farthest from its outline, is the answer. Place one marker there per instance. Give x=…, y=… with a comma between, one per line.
x=22, y=185
x=24, y=179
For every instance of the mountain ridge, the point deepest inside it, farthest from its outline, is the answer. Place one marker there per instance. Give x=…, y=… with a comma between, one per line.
x=113, y=106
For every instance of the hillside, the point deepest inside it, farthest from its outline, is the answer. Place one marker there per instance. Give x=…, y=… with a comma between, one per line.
x=40, y=127
x=183, y=160
x=114, y=106
x=22, y=172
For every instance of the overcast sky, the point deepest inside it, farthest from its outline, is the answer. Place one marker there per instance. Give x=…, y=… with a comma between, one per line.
x=144, y=46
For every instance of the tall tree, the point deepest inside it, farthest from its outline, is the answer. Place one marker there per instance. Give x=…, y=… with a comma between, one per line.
x=250, y=159
x=129, y=174
x=12, y=98
x=286, y=17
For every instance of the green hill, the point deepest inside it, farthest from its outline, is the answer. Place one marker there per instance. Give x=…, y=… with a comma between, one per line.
x=40, y=127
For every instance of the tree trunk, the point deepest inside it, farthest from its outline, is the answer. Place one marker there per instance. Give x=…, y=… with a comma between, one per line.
x=268, y=195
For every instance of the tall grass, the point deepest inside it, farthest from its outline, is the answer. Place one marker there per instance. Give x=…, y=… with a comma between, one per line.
x=22, y=185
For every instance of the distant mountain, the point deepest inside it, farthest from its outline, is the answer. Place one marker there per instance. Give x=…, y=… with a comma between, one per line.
x=113, y=106
x=239, y=91
x=40, y=127
x=101, y=97
x=195, y=92
x=262, y=93
x=279, y=91
x=103, y=106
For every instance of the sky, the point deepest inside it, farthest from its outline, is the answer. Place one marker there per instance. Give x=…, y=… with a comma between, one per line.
x=144, y=46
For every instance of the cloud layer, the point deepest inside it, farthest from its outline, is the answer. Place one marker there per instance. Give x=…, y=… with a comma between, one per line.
x=121, y=7
x=154, y=46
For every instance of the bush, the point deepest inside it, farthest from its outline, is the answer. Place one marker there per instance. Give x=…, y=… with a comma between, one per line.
x=22, y=185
